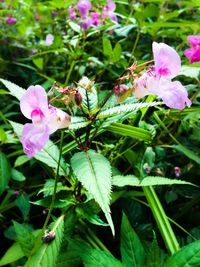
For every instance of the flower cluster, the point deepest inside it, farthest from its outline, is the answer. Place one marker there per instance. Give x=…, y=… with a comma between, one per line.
x=46, y=119
x=158, y=79
x=193, y=53
x=82, y=12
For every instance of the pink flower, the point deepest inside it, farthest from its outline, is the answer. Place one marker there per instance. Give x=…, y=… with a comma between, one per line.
x=46, y=119
x=86, y=24
x=193, y=53
x=108, y=11
x=84, y=7
x=11, y=20
x=72, y=14
x=49, y=40
x=157, y=80
x=95, y=18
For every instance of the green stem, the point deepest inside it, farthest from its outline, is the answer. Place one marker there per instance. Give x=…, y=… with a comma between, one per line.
x=70, y=71
x=161, y=220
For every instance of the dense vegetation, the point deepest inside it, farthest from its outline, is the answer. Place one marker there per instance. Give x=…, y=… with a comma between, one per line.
x=100, y=133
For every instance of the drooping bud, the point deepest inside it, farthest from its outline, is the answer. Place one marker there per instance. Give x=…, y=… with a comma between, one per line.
x=78, y=98
x=121, y=92
x=177, y=171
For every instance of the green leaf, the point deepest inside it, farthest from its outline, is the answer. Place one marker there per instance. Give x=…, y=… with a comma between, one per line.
x=132, y=180
x=21, y=160
x=188, y=256
x=25, y=238
x=190, y=71
x=188, y=153
x=153, y=256
x=50, y=153
x=94, y=257
x=22, y=202
x=13, y=254
x=38, y=62
x=89, y=100
x=131, y=248
x=107, y=47
x=49, y=188
x=128, y=130
x=125, y=108
x=93, y=170
x=47, y=253
x=5, y=172
x=17, y=176
x=75, y=26
x=117, y=52
x=14, y=89
x=78, y=122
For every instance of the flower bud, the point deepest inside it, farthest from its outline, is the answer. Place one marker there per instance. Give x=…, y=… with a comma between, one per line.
x=78, y=98
x=121, y=92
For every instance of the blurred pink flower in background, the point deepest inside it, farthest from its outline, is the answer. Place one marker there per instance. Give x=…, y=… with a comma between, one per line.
x=84, y=7
x=193, y=53
x=86, y=24
x=11, y=20
x=108, y=11
x=46, y=119
x=157, y=80
x=72, y=13
x=95, y=18
x=49, y=40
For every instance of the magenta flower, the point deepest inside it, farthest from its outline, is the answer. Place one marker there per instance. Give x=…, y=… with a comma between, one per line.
x=108, y=11
x=157, y=80
x=49, y=40
x=46, y=119
x=86, y=24
x=95, y=18
x=72, y=14
x=84, y=7
x=11, y=20
x=193, y=53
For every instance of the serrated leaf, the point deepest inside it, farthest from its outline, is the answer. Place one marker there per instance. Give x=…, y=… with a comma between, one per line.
x=14, y=89
x=94, y=257
x=93, y=170
x=25, y=238
x=89, y=100
x=78, y=122
x=131, y=247
x=50, y=153
x=47, y=253
x=48, y=188
x=13, y=254
x=125, y=108
x=188, y=256
x=5, y=172
x=132, y=180
x=153, y=256
x=22, y=202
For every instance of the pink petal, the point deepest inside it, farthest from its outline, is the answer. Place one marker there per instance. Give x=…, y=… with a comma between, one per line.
x=194, y=40
x=49, y=40
x=34, y=138
x=34, y=98
x=58, y=119
x=193, y=54
x=167, y=60
x=174, y=95
x=84, y=7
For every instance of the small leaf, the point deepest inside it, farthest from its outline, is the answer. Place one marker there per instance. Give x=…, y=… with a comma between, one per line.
x=117, y=52
x=25, y=238
x=153, y=257
x=93, y=170
x=14, y=89
x=22, y=202
x=21, y=160
x=38, y=62
x=17, y=176
x=132, y=180
x=188, y=256
x=188, y=153
x=5, y=172
x=78, y=122
x=125, y=108
x=49, y=188
x=107, y=47
x=131, y=248
x=190, y=71
x=47, y=253
x=89, y=100
x=75, y=26
x=13, y=254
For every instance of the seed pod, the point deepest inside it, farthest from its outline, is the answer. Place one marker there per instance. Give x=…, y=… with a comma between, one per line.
x=78, y=98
